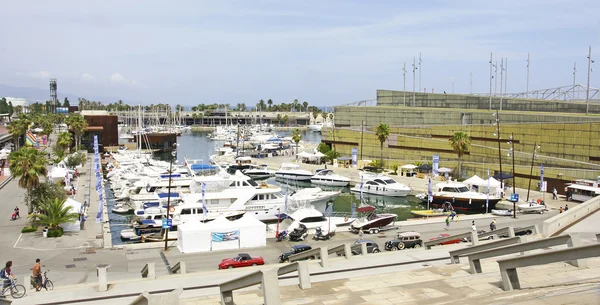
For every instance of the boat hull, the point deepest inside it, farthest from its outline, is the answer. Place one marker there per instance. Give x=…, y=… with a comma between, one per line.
x=382, y=191
x=430, y=213
x=466, y=204
x=382, y=220
x=502, y=212
x=293, y=176
x=328, y=182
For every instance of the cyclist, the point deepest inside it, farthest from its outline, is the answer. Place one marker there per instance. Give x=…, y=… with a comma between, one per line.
x=6, y=275
x=37, y=273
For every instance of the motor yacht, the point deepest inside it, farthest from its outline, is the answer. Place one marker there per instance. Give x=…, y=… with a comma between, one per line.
x=258, y=172
x=381, y=185
x=312, y=219
x=292, y=171
x=370, y=221
x=329, y=178
x=461, y=198
x=313, y=196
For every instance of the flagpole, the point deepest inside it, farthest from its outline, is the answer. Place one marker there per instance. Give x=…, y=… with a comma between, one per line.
x=277, y=230
x=487, y=198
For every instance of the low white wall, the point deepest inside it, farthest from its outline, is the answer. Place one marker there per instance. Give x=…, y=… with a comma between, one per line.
x=560, y=221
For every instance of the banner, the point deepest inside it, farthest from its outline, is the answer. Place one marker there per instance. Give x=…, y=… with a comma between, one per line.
x=99, y=186
x=429, y=191
x=225, y=236
x=436, y=161
x=204, y=208
x=362, y=199
x=354, y=155
x=543, y=186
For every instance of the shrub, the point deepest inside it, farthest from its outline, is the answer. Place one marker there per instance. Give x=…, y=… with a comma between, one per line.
x=55, y=232
x=29, y=229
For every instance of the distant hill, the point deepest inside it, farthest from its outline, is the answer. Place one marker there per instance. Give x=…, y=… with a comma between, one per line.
x=32, y=94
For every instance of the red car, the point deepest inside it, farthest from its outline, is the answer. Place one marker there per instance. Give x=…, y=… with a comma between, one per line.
x=449, y=242
x=242, y=260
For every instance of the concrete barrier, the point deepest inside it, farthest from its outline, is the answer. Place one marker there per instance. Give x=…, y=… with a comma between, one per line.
x=534, y=229
x=320, y=252
x=101, y=272
x=559, y=222
x=508, y=267
x=343, y=249
x=169, y=298
x=454, y=255
x=269, y=280
x=499, y=232
x=598, y=237
x=472, y=235
x=571, y=240
x=180, y=266
x=149, y=271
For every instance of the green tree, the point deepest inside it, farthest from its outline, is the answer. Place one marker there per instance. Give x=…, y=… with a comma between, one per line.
x=323, y=148
x=45, y=192
x=28, y=165
x=460, y=143
x=331, y=117
x=304, y=106
x=66, y=103
x=315, y=115
x=324, y=115
x=279, y=118
x=18, y=128
x=382, y=132
x=332, y=154
x=47, y=127
x=270, y=103
x=296, y=137
x=55, y=213
x=64, y=141
x=78, y=125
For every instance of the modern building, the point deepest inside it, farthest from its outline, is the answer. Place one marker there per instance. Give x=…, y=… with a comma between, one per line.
x=103, y=125
x=556, y=134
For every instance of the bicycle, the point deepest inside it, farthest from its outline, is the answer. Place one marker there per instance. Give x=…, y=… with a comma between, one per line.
x=46, y=284
x=18, y=290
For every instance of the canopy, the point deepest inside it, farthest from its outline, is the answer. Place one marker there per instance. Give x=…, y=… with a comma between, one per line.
x=424, y=167
x=444, y=170
x=408, y=166
x=504, y=176
x=493, y=182
x=319, y=154
x=344, y=158
x=475, y=180
x=75, y=208
x=305, y=155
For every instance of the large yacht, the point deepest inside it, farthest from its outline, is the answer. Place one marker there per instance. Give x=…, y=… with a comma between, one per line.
x=382, y=185
x=292, y=171
x=329, y=178
x=461, y=198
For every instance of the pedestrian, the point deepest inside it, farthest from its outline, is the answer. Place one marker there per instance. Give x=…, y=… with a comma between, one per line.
x=361, y=234
x=452, y=214
x=560, y=210
x=447, y=223
x=82, y=222
x=6, y=275
x=473, y=227
x=492, y=226
x=566, y=207
x=554, y=193
x=17, y=212
x=37, y=273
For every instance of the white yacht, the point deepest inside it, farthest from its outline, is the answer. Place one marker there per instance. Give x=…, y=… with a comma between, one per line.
x=382, y=185
x=292, y=171
x=329, y=178
x=313, y=196
x=257, y=171
x=312, y=219
x=458, y=196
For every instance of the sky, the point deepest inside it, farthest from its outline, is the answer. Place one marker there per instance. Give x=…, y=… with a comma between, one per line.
x=324, y=52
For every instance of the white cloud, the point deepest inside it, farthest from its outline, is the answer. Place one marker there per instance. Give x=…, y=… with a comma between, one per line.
x=87, y=77
x=117, y=78
x=40, y=74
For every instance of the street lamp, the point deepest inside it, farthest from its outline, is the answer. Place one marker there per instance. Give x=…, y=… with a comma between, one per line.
x=497, y=134
x=533, y=156
x=173, y=154
x=511, y=142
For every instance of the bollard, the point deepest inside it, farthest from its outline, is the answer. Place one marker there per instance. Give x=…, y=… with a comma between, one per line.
x=151, y=271
x=182, y=268
x=348, y=251
x=363, y=249
x=270, y=287
x=511, y=231
x=102, y=278
x=304, y=275
x=324, y=257
x=474, y=238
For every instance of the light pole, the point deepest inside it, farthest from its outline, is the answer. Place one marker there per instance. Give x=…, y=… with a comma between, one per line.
x=491, y=77
x=420, y=61
x=587, y=92
x=574, y=73
x=501, y=78
x=362, y=130
x=505, y=75
x=173, y=154
x=533, y=156
x=497, y=134
x=511, y=142
x=414, y=70
x=496, y=78
x=527, y=88
x=404, y=91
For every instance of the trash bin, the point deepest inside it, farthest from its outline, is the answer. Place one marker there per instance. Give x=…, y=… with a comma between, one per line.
x=45, y=232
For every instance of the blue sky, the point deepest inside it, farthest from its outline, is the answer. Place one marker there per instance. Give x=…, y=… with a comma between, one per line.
x=324, y=52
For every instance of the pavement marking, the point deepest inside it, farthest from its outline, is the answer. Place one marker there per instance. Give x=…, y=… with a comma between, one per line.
x=80, y=259
x=18, y=239
x=70, y=266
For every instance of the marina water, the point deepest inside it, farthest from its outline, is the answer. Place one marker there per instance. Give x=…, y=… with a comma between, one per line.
x=197, y=145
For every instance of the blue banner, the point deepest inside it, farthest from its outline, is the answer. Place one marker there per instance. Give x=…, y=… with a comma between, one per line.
x=429, y=191
x=225, y=236
x=354, y=155
x=99, y=187
x=204, y=208
x=436, y=162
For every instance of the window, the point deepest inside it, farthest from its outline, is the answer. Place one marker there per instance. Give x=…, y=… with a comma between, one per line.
x=255, y=197
x=379, y=181
x=186, y=211
x=463, y=189
x=252, y=183
x=390, y=181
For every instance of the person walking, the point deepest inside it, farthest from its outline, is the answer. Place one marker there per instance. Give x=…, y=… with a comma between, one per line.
x=492, y=226
x=473, y=227
x=447, y=223
x=17, y=212
x=554, y=193
x=566, y=207
x=560, y=210
x=82, y=221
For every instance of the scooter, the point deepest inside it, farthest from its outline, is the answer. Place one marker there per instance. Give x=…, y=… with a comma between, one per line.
x=299, y=233
x=320, y=236
x=281, y=236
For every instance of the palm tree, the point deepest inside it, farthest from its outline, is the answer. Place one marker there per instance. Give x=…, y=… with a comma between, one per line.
x=382, y=132
x=305, y=105
x=315, y=115
x=78, y=125
x=28, y=164
x=270, y=103
x=47, y=128
x=460, y=142
x=55, y=213
x=296, y=137
x=324, y=115
x=64, y=141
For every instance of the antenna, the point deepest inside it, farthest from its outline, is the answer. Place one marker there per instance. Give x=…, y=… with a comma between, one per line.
x=414, y=69
x=587, y=92
x=404, y=75
x=491, y=77
x=53, y=95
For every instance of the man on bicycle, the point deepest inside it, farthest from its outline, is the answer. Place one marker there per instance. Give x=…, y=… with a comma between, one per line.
x=6, y=275
x=37, y=273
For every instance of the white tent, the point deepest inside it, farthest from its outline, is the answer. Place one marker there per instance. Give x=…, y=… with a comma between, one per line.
x=319, y=154
x=475, y=180
x=221, y=234
x=408, y=166
x=305, y=155
x=493, y=182
x=444, y=170
x=75, y=208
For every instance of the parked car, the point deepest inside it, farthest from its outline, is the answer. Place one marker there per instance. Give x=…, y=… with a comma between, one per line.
x=372, y=247
x=479, y=232
x=448, y=242
x=284, y=257
x=404, y=240
x=518, y=233
x=241, y=260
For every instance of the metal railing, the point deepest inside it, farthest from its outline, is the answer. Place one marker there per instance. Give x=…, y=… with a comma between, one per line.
x=455, y=255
